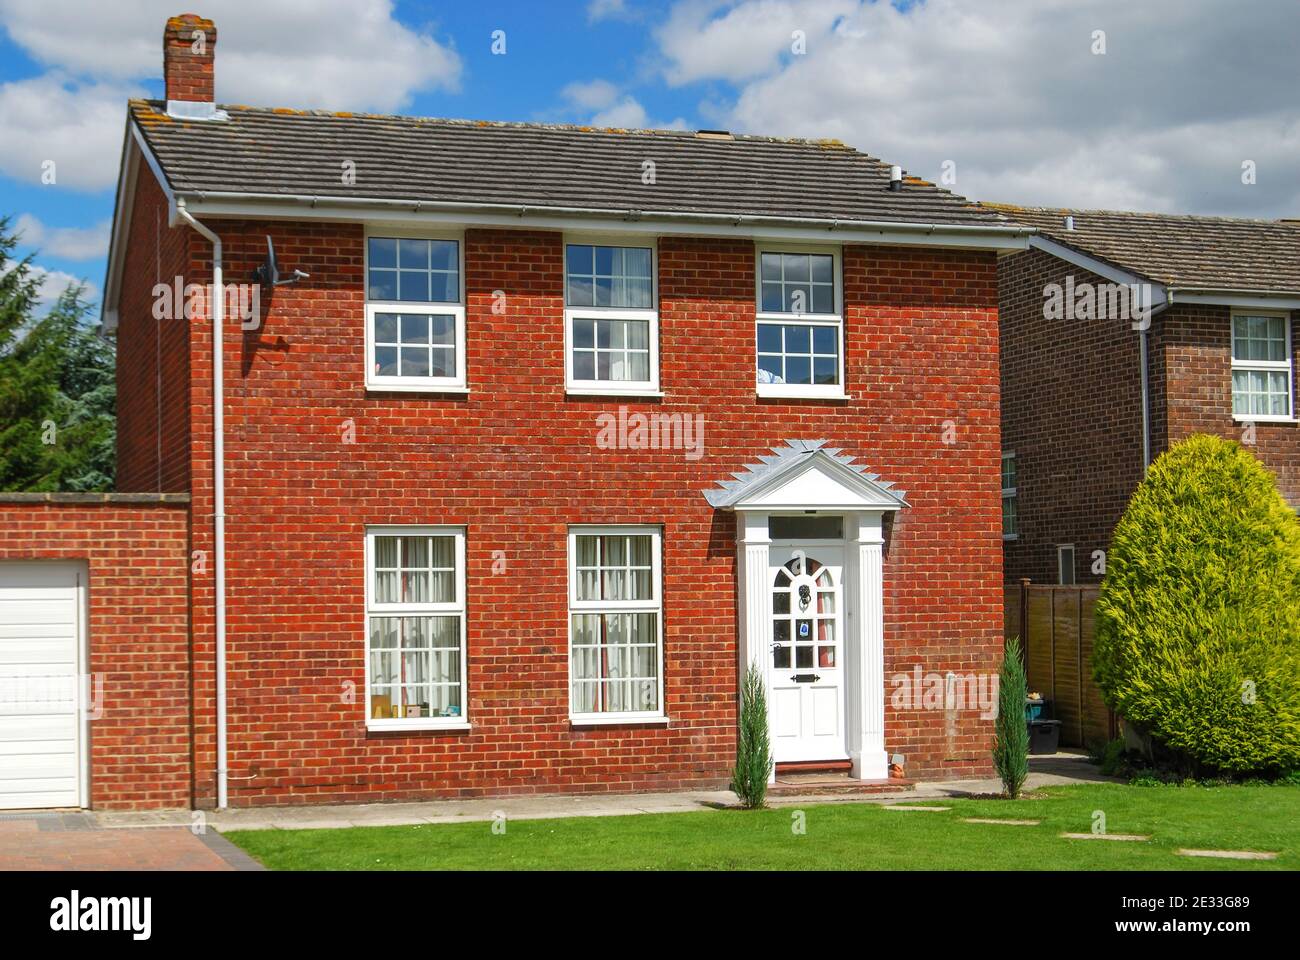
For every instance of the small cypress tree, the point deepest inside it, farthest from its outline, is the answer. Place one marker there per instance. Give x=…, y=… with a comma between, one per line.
x=1011, y=743
x=753, y=745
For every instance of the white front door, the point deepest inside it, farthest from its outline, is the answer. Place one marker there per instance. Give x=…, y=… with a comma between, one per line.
x=807, y=655
x=40, y=649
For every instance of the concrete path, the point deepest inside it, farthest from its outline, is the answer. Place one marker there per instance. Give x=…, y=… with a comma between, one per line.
x=1044, y=771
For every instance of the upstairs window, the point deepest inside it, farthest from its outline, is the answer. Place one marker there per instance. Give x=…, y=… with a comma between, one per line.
x=1261, y=366
x=415, y=314
x=800, y=324
x=1010, y=508
x=611, y=324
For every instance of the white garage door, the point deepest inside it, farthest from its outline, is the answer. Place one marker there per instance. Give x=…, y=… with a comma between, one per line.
x=41, y=643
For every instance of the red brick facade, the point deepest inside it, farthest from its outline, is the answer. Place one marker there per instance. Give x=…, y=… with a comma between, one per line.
x=1072, y=413
x=515, y=462
x=136, y=551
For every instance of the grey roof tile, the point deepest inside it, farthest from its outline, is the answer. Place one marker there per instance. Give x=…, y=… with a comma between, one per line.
x=1218, y=253
x=292, y=152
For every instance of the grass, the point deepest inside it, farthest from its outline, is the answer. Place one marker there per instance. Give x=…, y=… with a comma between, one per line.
x=845, y=836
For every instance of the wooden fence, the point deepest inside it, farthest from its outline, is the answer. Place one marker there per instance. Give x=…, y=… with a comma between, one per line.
x=1055, y=626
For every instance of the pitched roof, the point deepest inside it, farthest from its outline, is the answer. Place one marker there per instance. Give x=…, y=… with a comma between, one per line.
x=1212, y=253
x=301, y=153
x=788, y=459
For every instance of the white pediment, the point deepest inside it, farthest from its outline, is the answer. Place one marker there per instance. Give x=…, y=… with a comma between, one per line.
x=820, y=483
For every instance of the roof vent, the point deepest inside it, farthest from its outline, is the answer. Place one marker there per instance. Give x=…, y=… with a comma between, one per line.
x=1069, y=223
x=895, y=178
x=714, y=135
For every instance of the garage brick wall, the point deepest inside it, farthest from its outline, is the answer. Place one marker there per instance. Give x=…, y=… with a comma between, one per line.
x=137, y=550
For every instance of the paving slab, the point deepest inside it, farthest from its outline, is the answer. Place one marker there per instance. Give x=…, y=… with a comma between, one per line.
x=1131, y=837
x=1229, y=854
x=1006, y=823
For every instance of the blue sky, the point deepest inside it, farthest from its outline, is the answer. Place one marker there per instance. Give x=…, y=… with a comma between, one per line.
x=1013, y=95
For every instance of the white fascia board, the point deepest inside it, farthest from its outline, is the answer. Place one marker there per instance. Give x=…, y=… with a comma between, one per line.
x=1101, y=268
x=1236, y=298
x=123, y=206
x=634, y=223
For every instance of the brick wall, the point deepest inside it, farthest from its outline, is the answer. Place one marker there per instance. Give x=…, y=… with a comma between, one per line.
x=139, y=638
x=1072, y=412
x=153, y=355
x=516, y=463
x=1192, y=361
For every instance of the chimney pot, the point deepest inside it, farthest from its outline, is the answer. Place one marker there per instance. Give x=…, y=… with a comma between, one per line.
x=189, y=45
x=895, y=178
x=1069, y=223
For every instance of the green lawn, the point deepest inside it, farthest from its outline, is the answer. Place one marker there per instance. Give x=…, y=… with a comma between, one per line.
x=838, y=836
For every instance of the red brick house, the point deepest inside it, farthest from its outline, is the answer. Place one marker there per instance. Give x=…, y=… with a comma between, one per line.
x=1121, y=334
x=557, y=429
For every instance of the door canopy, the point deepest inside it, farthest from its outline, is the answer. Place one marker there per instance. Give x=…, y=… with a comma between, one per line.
x=805, y=475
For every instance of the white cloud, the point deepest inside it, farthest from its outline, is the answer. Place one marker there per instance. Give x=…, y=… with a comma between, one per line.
x=67, y=243
x=52, y=285
x=1012, y=93
x=609, y=107
x=341, y=54
x=593, y=95
x=77, y=127
x=598, y=10
x=709, y=38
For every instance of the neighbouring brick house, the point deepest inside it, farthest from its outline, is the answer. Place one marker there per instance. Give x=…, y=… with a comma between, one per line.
x=562, y=428
x=1220, y=358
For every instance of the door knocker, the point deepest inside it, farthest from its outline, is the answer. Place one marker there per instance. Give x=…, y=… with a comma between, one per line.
x=805, y=596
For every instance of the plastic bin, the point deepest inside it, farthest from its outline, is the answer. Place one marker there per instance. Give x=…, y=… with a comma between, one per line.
x=1044, y=737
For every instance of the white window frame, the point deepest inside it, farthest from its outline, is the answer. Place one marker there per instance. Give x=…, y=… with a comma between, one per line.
x=655, y=606
x=1262, y=366
x=613, y=388
x=836, y=391
x=453, y=384
x=1012, y=494
x=458, y=607
x=1060, y=565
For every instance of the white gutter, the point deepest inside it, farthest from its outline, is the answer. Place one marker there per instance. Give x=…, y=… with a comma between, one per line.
x=218, y=487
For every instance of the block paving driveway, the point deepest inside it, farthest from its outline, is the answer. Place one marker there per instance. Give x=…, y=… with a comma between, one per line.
x=75, y=841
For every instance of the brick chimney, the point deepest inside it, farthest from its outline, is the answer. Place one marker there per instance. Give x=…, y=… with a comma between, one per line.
x=189, y=45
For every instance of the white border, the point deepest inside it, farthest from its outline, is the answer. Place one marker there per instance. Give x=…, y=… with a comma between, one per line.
x=458, y=607
x=655, y=606
x=1074, y=565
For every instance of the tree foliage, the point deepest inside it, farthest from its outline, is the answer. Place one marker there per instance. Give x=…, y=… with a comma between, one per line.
x=753, y=743
x=1198, y=617
x=57, y=386
x=1011, y=735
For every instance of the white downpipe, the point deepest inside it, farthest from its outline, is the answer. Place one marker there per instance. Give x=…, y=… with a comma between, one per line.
x=218, y=489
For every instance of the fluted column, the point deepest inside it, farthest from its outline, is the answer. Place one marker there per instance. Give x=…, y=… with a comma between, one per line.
x=755, y=636
x=867, y=742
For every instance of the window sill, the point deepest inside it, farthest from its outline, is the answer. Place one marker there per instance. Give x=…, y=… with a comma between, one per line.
x=596, y=392
x=620, y=720
x=1247, y=418
x=765, y=392
x=414, y=388
x=416, y=726
x=1010, y=537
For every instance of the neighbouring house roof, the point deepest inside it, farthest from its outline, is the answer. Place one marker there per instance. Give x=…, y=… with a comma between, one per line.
x=1186, y=252
x=795, y=457
x=277, y=152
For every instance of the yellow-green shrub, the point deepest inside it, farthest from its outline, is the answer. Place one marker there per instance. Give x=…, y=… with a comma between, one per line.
x=1198, y=618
